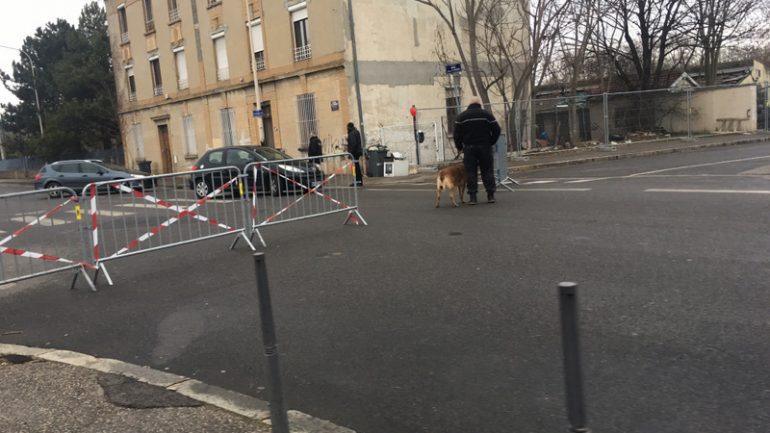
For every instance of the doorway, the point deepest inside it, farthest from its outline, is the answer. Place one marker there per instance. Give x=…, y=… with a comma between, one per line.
x=165, y=149
x=267, y=125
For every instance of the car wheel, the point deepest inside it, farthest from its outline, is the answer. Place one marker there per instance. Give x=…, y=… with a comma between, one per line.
x=202, y=188
x=50, y=186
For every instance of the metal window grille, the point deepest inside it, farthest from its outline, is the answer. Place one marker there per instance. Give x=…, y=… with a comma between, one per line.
x=259, y=57
x=173, y=15
x=307, y=120
x=191, y=147
x=228, y=126
x=149, y=26
x=137, y=138
x=124, y=37
x=303, y=53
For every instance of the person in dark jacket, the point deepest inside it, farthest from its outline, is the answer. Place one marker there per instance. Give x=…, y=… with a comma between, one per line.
x=314, y=148
x=476, y=132
x=356, y=149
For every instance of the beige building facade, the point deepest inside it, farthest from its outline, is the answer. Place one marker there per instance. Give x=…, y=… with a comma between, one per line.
x=183, y=71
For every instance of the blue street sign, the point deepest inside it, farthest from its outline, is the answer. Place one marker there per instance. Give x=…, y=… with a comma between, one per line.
x=257, y=113
x=454, y=69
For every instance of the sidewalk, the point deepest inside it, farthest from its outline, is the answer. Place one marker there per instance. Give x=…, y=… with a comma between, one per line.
x=54, y=391
x=536, y=160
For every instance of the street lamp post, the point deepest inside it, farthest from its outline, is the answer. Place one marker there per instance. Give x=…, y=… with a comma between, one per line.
x=34, y=86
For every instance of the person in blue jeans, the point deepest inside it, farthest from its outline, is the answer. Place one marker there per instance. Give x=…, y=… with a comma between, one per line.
x=475, y=134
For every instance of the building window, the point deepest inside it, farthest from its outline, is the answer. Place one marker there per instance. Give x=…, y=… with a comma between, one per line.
x=181, y=69
x=220, y=51
x=123, y=23
x=228, y=126
x=131, y=82
x=138, y=140
x=306, y=117
x=301, y=35
x=190, y=146
x=149, y=22
x=258, y=45
x=173, y=11
x=157, y=80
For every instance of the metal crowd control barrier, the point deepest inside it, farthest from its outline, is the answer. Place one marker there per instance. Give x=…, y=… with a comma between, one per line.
x=158, y=212
x=297, y=189
x=40, y=234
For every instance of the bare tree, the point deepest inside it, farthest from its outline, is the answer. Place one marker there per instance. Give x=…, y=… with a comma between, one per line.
x=651, y=30
x=720, y=23
x=579, y=26
x=453, y=13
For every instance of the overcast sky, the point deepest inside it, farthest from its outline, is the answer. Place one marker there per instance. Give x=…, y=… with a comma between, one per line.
x=19, y=19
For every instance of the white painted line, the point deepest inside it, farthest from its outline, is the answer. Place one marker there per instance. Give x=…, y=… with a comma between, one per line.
x=683, y=167
x=538, y=182
x=708, y=191
x=46, y=223
x=587, y=180
x=516, y=190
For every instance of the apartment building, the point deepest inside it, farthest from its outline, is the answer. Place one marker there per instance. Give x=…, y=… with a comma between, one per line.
x=185, y=82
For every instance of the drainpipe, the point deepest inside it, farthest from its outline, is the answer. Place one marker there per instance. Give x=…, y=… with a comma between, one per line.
x=355, y=74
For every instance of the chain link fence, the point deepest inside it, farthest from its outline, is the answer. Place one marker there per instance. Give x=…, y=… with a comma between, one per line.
x=590, y=120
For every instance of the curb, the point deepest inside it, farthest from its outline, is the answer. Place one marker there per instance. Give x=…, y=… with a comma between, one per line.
x=637, y=154
x=230, y=401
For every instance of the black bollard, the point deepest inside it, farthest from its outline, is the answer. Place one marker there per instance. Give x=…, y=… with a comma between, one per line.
x=576, y=411
x=278, y=417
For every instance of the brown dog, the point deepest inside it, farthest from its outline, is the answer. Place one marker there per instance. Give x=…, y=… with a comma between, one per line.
x=448, y=179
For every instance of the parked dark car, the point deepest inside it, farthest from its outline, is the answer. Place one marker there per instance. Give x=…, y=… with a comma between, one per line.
x=76, y=174
x=303, y=172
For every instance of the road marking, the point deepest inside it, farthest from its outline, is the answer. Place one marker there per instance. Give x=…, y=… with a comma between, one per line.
x=587, y=180
x=708, y=164
x=709, y=191
x=516, y=190
x=47, y=222
x=538, y=182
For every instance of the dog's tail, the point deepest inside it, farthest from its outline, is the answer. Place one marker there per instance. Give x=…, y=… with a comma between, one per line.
x=440, y=182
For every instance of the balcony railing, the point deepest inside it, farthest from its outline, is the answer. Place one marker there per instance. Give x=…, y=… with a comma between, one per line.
x=183, y=84
x=157, y=90
x=131, y=96
x=302, y=53
x=149, y=26
x=124, y=38
x=223, y=74
x=173, y=15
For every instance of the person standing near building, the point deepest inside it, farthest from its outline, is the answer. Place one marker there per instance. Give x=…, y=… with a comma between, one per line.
x=476, y=132
x=314, y=148
x=356, y=149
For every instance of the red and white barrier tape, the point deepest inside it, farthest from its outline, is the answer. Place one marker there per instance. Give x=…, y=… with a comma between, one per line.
x=164, y=225
x=37, y=221
x=313, y=190
x=40, y=256
x=157, y=201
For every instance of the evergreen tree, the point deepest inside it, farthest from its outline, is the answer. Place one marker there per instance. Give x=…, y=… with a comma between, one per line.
x=76, y=87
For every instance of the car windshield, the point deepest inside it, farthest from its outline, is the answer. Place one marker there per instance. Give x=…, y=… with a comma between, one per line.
x=271, y=154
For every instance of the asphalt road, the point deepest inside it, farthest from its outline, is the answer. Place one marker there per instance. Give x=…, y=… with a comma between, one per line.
x=446, y=320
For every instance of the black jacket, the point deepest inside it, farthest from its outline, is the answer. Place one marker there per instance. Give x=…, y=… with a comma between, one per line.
x=354, y=143
x=314, y=148
x=475, y=127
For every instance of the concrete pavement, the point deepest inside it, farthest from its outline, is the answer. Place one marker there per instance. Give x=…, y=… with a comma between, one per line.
x=56, y=391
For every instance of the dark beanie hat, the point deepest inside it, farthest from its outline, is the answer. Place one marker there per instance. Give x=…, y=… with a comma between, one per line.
x=351, y=125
